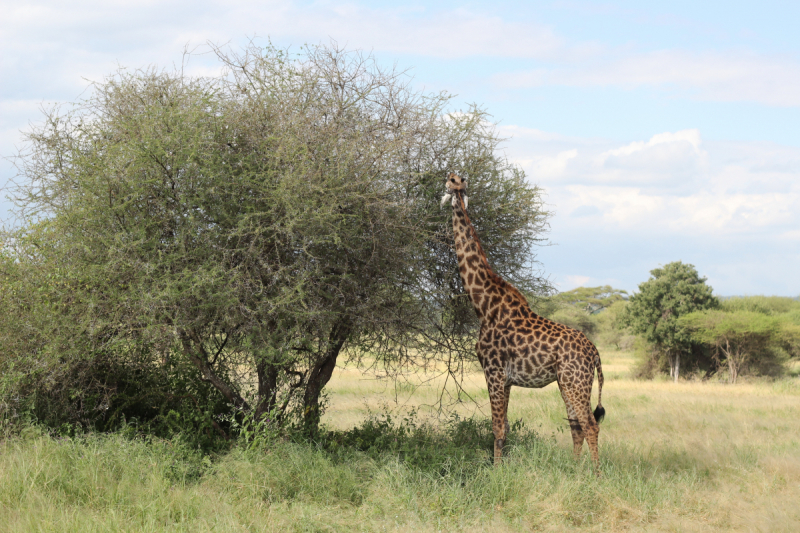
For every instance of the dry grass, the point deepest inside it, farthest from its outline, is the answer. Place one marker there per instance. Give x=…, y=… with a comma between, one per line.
x=685, y=457
x=744, y=439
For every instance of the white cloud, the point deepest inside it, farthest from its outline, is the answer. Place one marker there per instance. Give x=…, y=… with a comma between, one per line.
x=734, y=214
x=550, y=166
x=672, y=182
x=667, y=160
x=447, y=33
x=690, y=136
x=572, y=282
x=712, y=76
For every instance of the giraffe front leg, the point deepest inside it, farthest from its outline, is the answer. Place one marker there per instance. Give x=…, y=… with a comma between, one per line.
x=505, y=409
x=495, y=380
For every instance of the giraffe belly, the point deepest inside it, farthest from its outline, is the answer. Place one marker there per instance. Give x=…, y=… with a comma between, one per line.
x=534, y=378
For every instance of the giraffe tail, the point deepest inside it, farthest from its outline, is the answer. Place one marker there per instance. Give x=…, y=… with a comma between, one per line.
x=599, y=412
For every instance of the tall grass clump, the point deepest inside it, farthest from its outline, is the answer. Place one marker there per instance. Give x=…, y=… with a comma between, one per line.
x=396, y=472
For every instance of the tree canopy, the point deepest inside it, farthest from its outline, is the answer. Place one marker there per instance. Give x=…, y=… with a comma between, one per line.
x=249, y=227
x=591, y=299
x=672, y=291
x=756, y=334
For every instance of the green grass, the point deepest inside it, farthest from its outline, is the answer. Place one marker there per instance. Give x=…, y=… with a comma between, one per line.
x=113, y=483
x=685, y=457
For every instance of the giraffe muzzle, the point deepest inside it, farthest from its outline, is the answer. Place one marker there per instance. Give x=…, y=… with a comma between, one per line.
x=448, y=195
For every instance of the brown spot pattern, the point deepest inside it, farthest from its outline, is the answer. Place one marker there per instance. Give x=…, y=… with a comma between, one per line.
x=518, y=347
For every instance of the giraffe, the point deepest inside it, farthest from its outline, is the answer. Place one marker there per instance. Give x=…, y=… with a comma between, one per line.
x=518, y=347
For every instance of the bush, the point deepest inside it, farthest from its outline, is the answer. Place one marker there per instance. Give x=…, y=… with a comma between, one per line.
x=611, y=331
x=576, y=319
x=594, y=311
x=422, y=444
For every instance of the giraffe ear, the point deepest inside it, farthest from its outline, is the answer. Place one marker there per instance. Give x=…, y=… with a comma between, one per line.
x=466, y=201
x=445, y=198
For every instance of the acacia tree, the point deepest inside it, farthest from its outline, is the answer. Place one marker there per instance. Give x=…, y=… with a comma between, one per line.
x=591, y=299
x=673, y=290
x=738, y=335
x=576, y=307
x=257, y=224
x=755, y=334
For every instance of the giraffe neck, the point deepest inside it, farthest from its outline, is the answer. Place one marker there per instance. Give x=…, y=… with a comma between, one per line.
x=477, y=276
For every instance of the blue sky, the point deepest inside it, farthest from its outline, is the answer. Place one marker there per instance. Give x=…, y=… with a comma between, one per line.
x=658, y=131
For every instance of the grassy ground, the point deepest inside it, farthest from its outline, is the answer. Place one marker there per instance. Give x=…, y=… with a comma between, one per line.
x=685, y=457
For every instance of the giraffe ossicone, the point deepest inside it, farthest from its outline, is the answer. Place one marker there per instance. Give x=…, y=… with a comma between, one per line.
x=517, y=347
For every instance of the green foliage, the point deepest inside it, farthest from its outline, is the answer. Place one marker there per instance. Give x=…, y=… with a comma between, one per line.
x=611, y=328
x=591, y=299
x=106, y=482
x=672, y=291
x=748, y=341
x=423, y=445
x=768, y=305
x=575, y=318
x=241, y=231
x=592, y=310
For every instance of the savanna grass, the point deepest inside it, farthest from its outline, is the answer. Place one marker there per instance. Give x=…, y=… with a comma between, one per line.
x=116, y=483
x=687, y=457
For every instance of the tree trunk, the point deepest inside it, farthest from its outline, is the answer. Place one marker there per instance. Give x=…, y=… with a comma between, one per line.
x=201, y=362
x=676, y=367
x=674, y=364
x=267, y=388
x=733, y=361
x=321, y=373
x=736, y=361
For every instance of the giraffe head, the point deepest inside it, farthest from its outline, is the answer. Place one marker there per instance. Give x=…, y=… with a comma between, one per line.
x=453, y=185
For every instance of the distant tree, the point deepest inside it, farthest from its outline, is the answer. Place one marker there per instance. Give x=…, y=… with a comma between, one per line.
x=592, y=299
x=768, y=305
x=253, y=226
x=672, y=291
x=576, y=308
x=742, y=337
x=575, y=318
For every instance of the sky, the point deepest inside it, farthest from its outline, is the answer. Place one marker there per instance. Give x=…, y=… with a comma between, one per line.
x=658, y=131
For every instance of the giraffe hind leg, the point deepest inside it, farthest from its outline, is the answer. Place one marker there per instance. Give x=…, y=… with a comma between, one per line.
x=591, y=430
x=577, y=437
x=574, y=426
x=577, y=398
